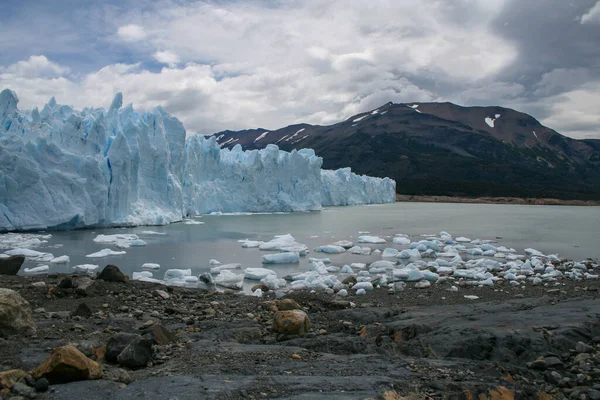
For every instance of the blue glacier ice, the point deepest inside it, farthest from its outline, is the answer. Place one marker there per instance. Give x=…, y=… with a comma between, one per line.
x=62, y=168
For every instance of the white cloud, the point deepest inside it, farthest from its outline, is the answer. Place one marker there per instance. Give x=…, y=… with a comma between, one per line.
x=132, y=33
x=592, y=16
x=166, y=57
x=575, y=113
x=34, y=67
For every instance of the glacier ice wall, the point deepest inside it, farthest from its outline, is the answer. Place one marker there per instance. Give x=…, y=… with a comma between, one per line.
x=62, y=168
x=342, y=187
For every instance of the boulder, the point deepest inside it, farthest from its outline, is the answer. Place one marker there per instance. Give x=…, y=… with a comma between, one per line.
x=117, y=343
x=11, y=265
x=291, y=322
x=9, y=378
x=137, y=353
x=112, y=273
x=15, y=314
x=67, y=364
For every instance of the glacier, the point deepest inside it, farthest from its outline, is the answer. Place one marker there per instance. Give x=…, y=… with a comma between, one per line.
x=62, y=168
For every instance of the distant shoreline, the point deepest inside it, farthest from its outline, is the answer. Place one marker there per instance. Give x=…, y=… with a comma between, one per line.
x=495, y=200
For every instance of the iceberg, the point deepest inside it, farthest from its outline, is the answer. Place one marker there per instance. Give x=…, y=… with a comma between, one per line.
x=281, y=258
x=62, y=168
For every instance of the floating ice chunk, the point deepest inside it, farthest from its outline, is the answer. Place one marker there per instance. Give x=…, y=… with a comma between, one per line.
x=363, y=285
x=319, y=268
x=281, y=258
x=534, y=252
x=60, y=260
x=150, y=266
x=42, y=269
x=401, y=240
x=408, y=274
x=193, y=222
x=143, y=274
x=463, y=239
x=384, y=264
x=371, y=239
x=346, y=244
x=346, y=269
x=22, y=240
x=278, y=242
x=212, y=261
x=177, y=274
x=257, y=293
x=323, y=260
x=224, y=267
x=475, y=251
x=333, y=268
x=229, y=280
x=342, y=293
x=299, y=248
x=256, y=274
x=272, y=282
x=106, y=253
x=489, y=253
x=330, y=249
x=389, y=252
x=358, y=266
x=471, y=297
x=31, y=255
x=361, y=292
x=250, y=244
x=364, y=251
x=410, y=253
x=121, y=240
x=86, y=267
x=152, y=233
x=430, y=276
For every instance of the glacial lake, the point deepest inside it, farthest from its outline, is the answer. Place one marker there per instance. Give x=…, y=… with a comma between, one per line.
x=571, y=232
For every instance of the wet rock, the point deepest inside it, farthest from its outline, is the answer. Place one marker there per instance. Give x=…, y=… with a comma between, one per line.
x=260, y=286
x=581, y=347
x=67, y=364
x=554, y=362
x=117, y=343
x=83, y=285
x=287, y=304
x=593, y=394
x=41, y=385
x=82, y=310
x=66, y=283
x=112, y=273
x=291, y=322
x=162, y=294
x=11, y=265
x=15, y=315
x=9, y=378
x=137, y=353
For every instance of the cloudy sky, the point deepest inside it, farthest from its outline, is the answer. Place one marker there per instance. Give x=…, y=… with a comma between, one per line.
x=233, y=64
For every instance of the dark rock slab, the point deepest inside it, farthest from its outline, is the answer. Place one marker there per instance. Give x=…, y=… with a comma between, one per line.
x=11, y=265
x=137, y=353
x=112, y=273
x=117, y=343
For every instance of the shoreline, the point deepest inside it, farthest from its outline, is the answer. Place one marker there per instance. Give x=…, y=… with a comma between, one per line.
x=496, y=200
x=416, y=343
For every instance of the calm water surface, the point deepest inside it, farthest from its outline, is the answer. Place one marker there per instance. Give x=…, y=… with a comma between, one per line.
x=572, y=232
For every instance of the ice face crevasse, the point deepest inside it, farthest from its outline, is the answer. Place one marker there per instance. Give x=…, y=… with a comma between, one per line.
x=62, y=168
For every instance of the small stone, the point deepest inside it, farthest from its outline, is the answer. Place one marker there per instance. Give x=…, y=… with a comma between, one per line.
x=162, y=294
x=422, y=284
x=350, y=280
x=41, y=385
x=40, y=310
x=23, y=390
x=539, y=365
x=322, y=332
x=82, y=310
x=554, y=362
x=124, y=377
x=40, y=284
x=581, y=347
x=124, y=309
x=296, y=356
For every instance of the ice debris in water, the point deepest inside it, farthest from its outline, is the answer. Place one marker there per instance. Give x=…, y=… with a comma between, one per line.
x=106, y=253
x=219, y=268
x=150, y=266
x=122, y=241
x=42, y=269
x=370, y=239
x=116, y=167
x=229, y=279
x=330, y=249
x=31, y=255
x=86, y=267
x=22, y=240
x=60, y=260
x=281, y=258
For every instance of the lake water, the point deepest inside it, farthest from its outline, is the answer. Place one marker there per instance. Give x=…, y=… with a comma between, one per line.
x=572, y=232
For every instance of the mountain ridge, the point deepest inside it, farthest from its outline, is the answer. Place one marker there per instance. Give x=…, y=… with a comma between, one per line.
x=447, y=149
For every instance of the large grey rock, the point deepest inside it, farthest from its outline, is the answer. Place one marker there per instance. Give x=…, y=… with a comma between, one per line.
x=11, y=265
x=15, y=315
x=112, y=273
x=117, y=343
x=137, y=353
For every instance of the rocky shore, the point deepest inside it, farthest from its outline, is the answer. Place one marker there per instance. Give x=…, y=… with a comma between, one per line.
x=496, y=200
x=70, y=337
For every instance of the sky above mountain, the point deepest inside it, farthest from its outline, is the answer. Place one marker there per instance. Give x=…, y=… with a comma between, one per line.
x=235, y=64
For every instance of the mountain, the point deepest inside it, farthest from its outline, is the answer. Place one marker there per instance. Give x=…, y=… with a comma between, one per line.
x=446, y=149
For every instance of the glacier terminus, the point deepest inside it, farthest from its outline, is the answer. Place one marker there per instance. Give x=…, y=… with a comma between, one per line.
x=62, y=168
